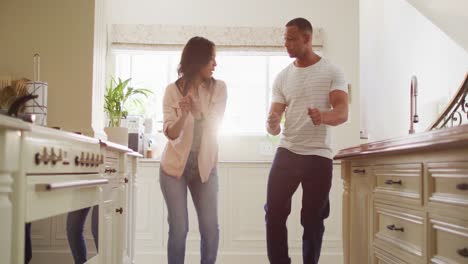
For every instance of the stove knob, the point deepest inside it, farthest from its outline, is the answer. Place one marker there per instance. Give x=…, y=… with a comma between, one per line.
x=82, y=159
x=77, y=161
x=45, y=156
x=87, y=159
x=98, y=161
x=60, y=157
x=92, y=162
x=37, y=158
x=53, y=156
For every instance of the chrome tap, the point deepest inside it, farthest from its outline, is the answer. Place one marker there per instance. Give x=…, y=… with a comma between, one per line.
x=414, y=118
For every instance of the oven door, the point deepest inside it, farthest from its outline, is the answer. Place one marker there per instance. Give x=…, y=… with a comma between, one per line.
x=49, y=195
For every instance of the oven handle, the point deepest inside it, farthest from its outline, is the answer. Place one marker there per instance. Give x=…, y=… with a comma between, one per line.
x=70, y=184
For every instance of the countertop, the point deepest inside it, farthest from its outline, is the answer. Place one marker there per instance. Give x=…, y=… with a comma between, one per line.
x=11, y=123
x=431, y=140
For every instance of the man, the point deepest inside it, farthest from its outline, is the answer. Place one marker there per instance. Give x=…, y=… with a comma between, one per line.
x=312, y=93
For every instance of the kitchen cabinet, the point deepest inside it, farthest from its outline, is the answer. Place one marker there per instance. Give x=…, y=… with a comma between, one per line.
x=405, y=200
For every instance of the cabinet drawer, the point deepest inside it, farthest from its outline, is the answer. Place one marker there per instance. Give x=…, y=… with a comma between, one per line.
x=384, y=257
x=399, y=181
x=400, y=230
x=449, y=243
x=448, y=182
x=111, y=167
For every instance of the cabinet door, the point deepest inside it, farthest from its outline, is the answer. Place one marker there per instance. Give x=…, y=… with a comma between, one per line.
x=120, y=212
x=127, y=218
x=360, y=215
x=106, y=230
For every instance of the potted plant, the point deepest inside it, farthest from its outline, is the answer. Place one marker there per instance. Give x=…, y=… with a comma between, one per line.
x=118, y=95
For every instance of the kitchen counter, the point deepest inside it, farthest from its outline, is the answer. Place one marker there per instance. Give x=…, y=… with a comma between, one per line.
x=431, y=140
x=405, y=200
x=11, y=123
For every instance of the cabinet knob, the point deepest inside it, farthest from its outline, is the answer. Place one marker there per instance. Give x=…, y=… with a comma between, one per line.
x=391, y=182
x=462, y=186
x=359, y=171
x=394, y=228
x=126, y=180
x=119, y=210
x=463, y=252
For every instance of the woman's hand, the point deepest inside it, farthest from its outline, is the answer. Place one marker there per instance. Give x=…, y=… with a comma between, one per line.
x=195, y=103
x=185, y=105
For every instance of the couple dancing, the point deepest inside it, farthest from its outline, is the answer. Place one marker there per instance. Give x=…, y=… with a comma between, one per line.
x=314, y=93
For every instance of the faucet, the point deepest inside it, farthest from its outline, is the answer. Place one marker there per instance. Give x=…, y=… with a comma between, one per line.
x=414, y=118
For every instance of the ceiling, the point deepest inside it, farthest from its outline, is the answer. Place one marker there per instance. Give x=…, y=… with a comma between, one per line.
x=451, y=16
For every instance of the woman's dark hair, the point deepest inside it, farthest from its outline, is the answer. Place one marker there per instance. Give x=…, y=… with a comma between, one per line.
x=196, y=54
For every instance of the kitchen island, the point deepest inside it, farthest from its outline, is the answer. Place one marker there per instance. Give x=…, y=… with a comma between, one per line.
x=405, y=200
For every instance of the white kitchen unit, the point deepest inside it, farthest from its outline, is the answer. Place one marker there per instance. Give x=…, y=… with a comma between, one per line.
x=118, y=201
x=242, y=195
x=10, y=138
x=406, y=200
x=45, y=173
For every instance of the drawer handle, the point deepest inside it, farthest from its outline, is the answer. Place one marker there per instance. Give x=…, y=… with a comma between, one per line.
x=391, y=182
x=359, y=171
x=462, y=186
x=463, y=252
x=110, y=170
x=119, y=210
x=394, y=228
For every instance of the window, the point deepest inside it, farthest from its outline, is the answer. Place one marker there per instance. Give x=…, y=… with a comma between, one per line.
x=248, y=76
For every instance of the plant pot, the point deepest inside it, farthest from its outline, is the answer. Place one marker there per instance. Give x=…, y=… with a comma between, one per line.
x=117, y=135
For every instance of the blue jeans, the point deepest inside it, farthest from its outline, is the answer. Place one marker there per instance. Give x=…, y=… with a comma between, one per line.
x=289, y=170
x=75, y=226
x=204, y=196
x=27, y=243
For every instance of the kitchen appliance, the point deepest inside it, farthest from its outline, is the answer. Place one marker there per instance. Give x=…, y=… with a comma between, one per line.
x=135, y=133
x=60, y=172
x=63, y=172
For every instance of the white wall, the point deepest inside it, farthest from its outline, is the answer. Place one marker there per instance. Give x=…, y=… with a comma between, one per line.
x=396, y=43
x=338, y=18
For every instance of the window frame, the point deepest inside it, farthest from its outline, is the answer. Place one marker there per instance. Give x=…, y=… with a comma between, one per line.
x=220, y=52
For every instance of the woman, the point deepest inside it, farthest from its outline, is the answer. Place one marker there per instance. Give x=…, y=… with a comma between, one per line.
x=193, y=109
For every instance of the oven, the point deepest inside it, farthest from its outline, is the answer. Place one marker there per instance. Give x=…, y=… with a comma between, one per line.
x=61, y=172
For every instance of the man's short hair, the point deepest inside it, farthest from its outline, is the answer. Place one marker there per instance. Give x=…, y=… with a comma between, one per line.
x=302, y=24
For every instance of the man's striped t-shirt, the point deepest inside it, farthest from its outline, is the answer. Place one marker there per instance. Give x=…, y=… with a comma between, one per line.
x=300, y=88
